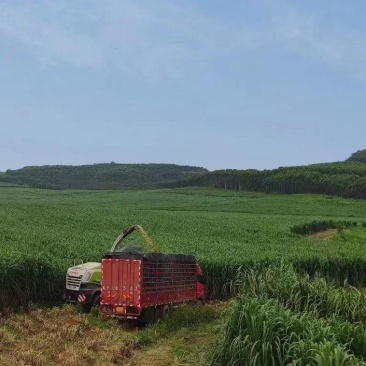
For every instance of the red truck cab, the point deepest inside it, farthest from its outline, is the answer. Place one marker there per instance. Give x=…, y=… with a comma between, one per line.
x=135, y=284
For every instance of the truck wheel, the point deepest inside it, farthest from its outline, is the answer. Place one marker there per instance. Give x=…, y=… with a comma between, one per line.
x=147, y=316
x=86, y=308
x=95, y=301
x=165, y=312
x=199, y=303
x=158, y=314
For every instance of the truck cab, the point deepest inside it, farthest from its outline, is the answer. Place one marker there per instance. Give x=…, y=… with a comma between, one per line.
x=83, y=284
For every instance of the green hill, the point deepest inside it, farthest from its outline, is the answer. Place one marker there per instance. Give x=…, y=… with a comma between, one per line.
x=344, y=179
x=359, y=156
x=99, y=176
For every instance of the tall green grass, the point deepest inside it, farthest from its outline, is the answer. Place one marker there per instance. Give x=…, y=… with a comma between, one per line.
x=263, y=332
x=43, y=232
x=25, y=282
x=302, y=293
x=286, y=317
x=322, y=225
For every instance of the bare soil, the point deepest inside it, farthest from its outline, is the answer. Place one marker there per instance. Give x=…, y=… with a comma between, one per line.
x=325, y=235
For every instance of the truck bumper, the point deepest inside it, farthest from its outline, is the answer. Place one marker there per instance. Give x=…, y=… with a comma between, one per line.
x=120, y=311
x=79, y=297
x=71, y=296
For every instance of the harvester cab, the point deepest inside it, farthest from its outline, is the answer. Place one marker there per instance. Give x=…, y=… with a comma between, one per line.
x=83, y=280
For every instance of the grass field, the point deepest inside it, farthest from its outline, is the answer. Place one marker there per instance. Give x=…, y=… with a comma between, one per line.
x=42, y=232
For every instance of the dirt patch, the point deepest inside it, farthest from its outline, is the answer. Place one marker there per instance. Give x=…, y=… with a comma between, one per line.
x=325, y=235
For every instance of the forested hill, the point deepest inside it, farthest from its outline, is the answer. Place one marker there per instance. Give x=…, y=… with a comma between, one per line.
x=344, y=179
x=359, y=156
x=99, y=176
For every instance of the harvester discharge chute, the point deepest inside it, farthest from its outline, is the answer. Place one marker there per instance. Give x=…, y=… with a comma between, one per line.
x=83, y=280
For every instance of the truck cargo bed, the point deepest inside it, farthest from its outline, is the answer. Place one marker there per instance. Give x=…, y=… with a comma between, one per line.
x=131, y=284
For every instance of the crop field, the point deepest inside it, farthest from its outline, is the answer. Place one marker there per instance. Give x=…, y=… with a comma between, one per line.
x=283, y=318
x=265, y=250
x=43, y=232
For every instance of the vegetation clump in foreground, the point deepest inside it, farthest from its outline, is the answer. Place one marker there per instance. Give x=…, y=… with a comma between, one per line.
x=285, y=318
x=263, y=332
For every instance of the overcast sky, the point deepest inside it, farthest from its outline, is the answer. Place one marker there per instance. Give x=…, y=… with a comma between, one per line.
x=220, y=84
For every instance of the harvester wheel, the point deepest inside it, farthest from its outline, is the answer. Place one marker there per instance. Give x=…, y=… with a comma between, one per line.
x=94, y=303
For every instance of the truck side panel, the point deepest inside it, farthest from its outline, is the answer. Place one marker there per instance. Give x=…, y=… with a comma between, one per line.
x=167, y=283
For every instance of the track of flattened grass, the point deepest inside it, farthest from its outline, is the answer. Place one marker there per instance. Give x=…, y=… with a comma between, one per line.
x=47, y=337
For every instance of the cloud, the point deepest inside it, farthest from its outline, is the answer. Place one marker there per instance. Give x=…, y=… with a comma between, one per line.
x=165, y=39
x=330, y=42
x=46, y=38
x=157, y=39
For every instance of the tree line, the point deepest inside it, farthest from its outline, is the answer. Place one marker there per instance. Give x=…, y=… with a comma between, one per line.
x=345, y=179
x=99, y=176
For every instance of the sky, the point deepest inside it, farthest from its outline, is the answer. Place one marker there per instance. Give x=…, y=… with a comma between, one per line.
x=219, y=84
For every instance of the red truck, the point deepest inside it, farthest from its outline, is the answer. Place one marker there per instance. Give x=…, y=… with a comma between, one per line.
x=145, y=286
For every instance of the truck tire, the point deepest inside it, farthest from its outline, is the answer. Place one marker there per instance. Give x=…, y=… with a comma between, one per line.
x=199, y=302
x=96, y=300
x=86, y=308
x=165, y=312
x=147, y=317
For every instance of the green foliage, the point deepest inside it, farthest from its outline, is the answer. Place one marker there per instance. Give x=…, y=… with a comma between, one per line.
x=99, y=176
x=188, y=316
x=146, y=338
x=359, y=156
x=344, y=179
x=302, y=293
x=282, y=317
x=247, y=243
x=263, y=332
x=43, y=232
x=319, y=226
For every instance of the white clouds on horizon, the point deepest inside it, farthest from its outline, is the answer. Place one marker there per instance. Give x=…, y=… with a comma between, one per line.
x=163, y=39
